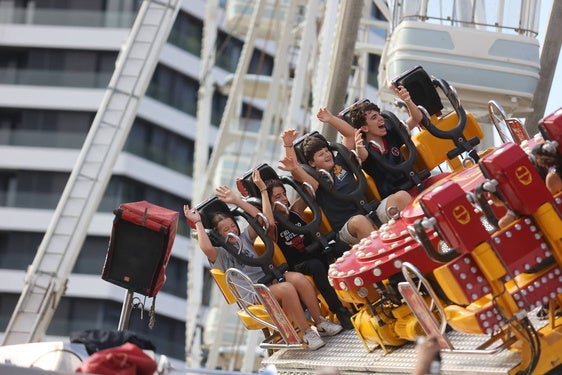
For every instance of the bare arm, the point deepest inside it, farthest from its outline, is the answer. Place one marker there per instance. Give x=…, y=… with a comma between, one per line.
x=290, y=165
x=360, y=146
x=345, y=129
x=299, y=205
x=202, y=237
x=289, y=162
x=553, y=183
x=228, y=196
x=266, y=204
x=415, y=113
x=426, y=352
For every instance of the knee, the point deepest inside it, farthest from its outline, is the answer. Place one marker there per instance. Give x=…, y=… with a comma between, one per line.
x=400, y=199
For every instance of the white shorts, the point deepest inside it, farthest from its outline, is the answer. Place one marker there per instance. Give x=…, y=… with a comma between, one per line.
x=381, y=211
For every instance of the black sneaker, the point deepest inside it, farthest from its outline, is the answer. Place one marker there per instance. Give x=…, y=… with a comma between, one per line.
x=344, y=317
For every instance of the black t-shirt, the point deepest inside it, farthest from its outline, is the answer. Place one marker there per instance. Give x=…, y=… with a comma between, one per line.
x=387, y=182
x=337, y=211
x=293, y=245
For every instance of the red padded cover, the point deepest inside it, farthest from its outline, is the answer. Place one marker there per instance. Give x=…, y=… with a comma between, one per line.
x=140, y=247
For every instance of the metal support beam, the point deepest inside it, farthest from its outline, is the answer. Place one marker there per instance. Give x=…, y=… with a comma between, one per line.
x=549, y=59
x=347, y=26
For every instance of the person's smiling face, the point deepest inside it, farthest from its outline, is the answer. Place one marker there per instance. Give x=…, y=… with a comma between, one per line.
x=375, y=124
x=226, y=226
x=323, y=159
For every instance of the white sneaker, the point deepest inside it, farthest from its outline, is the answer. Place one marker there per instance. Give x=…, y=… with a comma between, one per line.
x=328, y=328
x=312, y=339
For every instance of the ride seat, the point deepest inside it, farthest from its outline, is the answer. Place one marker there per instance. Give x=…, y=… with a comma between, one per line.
x=432, y=151
x=278, y=331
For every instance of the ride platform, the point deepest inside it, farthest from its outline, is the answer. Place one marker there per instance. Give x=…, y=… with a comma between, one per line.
x=347, y=353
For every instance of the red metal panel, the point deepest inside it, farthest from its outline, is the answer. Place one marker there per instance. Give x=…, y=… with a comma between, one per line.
x=519, y=182
x=459, y=224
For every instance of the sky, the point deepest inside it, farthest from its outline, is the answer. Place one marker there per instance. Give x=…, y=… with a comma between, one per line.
x=555, y=97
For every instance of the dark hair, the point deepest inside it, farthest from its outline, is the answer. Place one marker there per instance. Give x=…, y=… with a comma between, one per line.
x=217, y=217
x=547, y=155
x=358, y=111
x=271, y=184
x=311, y=145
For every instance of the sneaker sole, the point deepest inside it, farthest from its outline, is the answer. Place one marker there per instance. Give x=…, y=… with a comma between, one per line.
x=326, y=334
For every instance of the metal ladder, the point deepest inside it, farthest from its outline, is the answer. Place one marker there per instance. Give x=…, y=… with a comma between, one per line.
x=46, y=278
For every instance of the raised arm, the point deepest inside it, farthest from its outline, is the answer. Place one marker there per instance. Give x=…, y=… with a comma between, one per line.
x=289, y=162
x=345, y=129
x=415, y=114
x=228, y=196
x=265, y=203
x=192, y=215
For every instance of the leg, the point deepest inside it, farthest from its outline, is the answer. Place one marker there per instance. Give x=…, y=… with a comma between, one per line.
x=306, y=293
x=319, y=273
x=359, y=226
x=400, y=200
x=288, y=298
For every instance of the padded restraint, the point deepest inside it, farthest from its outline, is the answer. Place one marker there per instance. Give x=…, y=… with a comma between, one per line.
x=322, y=241
x=407, y=166
x=213, y=205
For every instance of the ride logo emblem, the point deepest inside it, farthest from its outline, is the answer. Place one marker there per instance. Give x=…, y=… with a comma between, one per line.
x=523, y=175
x=461, y=214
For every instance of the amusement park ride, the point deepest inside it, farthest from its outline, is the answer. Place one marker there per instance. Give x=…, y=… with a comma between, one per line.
x=442, y=266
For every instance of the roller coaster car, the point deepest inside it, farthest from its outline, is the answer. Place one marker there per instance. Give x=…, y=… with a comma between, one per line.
x=493, y=280
x=322, y=240
x=358, y=197
x=258, y=307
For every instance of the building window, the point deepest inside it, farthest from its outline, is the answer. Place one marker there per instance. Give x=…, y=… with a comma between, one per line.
x=42, y=190
x=229, y=50
x=161, y=146
x=44, y=128
x=68, y=129
x=8, y=303
x=18, y=249
x=187, y=33
x=174, y=89
x=86, y=13
x=31, y=189
x=373, y=70
x=56, y=67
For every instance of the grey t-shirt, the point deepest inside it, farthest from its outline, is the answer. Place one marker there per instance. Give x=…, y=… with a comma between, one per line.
x=225, y=261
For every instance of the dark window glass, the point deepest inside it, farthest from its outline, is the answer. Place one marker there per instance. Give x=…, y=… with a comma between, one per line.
x=66, y=129
x=187, y=33
x=373, y=70
x=56, y=67
x=8, y=303
x=174, y=89
x=18, y=249
x=229, y=50
x=35, y=189
x=44, y=128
